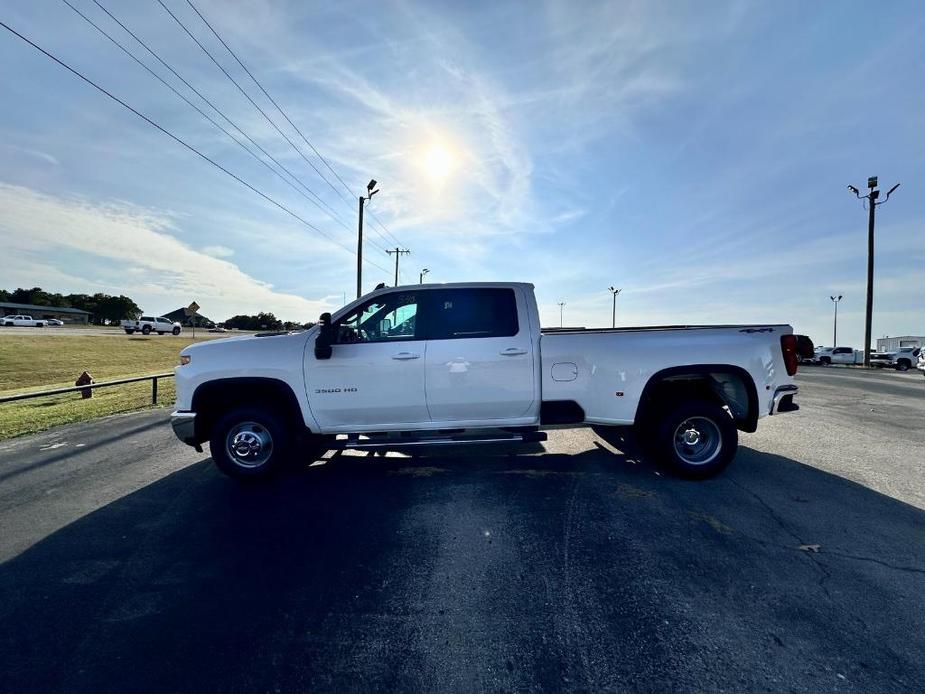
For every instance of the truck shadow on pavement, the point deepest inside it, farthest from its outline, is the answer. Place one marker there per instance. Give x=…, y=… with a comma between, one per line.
x=476, y=571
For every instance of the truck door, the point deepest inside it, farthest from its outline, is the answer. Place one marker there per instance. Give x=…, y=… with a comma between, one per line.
x=480, y=357
x=375, y=376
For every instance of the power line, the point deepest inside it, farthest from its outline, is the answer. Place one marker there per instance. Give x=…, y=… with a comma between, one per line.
x=244, y=92
x=320, y=202
x=278, y=108
x=177, y=139
x=348, y=201
x=194, y=106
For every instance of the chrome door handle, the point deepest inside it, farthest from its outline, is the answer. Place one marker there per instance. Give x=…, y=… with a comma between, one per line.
x=512, y=352
x=403, y=356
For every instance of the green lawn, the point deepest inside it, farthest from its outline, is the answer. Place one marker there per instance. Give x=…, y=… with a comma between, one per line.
x=37, y=362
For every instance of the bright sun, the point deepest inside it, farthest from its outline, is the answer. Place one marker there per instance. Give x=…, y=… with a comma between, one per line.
x=439, y=162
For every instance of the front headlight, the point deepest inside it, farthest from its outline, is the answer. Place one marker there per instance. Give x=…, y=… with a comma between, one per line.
x=184, y=359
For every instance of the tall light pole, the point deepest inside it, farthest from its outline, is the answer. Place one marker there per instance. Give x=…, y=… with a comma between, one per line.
x=399, y=252
x=835, y=300
x=421, y=278
x=561, y=306
x=872, y=205
x=615, y=292
x=370, y=192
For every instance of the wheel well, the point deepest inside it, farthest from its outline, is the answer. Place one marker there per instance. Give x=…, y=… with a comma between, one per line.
x=213, y=398
x=727, y=386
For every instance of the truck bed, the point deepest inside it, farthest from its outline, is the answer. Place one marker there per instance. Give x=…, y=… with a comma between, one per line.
x=656, y=328
x=604, y=370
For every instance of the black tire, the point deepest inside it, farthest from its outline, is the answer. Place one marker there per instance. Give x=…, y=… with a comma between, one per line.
x=146, y=330
x=696, y=440
x=825, y=361
x=903, y=365
x=264, y=431
x=129, y=332
x=176, y=331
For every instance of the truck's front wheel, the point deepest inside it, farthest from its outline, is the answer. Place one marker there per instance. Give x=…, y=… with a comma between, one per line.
x=250, y=443
x=146, y=330
x=697, y=439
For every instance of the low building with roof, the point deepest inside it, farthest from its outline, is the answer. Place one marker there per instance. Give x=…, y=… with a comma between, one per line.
x=62, y=313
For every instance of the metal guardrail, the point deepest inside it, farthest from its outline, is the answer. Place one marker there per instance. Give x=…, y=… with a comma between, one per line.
x=76, y=389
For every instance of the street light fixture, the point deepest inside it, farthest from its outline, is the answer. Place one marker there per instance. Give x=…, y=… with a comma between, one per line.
x=615, y=292
x=561, y=306
x=370, y=192
x=423, y=272
x=835, y=300
x=872, y=205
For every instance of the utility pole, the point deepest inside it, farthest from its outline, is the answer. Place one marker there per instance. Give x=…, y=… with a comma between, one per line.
x=369, y=196
x=398, y=254
x=561, y=306
x=615, y=292
x=835, y=300
x=421, y=278
x=872, y=205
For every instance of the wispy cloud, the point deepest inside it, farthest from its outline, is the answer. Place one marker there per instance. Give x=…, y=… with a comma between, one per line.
x=110, y=241
x=35, y=153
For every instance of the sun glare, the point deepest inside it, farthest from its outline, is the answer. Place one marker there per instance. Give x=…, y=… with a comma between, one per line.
x=439, y=162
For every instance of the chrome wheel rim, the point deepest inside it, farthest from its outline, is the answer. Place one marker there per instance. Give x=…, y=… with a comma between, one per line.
x=697, y=440
x=249, y=444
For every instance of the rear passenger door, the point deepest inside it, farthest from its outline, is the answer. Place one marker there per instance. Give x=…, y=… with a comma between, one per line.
x=479, y=367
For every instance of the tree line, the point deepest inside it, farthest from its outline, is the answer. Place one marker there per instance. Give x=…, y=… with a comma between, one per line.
x=263, y=321
x=103, y=307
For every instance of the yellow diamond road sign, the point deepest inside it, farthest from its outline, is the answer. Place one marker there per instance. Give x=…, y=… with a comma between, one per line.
x=193, y=307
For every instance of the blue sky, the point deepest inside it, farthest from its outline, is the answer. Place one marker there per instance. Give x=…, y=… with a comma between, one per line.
x=694, y=154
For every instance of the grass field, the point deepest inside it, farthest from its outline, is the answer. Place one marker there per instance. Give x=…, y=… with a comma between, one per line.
x=35, y=362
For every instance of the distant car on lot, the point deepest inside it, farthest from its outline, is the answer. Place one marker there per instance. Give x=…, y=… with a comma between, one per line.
x=21, y=321
x=149, y=324
x=218, y=329
x=901, y=359
x=835, y=355
x=54, y=322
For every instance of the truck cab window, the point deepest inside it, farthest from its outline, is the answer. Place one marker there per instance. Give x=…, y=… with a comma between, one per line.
x=467, y=313
x=388, y=318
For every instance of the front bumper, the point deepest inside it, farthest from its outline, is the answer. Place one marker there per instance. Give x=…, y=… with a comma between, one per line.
x=184, y=426
x=783, y=400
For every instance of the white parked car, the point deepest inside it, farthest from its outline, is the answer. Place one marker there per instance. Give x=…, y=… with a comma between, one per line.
x=21, y=321
x=462, y=363
x=836, y=355
x=149, y=324
x=54, y=323
x=920, y=365
x=901, y=359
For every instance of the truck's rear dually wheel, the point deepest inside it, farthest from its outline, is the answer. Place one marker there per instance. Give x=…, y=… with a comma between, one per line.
x=697, y=439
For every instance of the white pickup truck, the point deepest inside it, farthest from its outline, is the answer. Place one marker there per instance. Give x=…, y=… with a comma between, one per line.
x=20, y=321
x=151, y=324
x=458, y=363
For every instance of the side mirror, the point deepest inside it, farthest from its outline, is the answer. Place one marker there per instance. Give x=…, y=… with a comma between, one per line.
x=325, y=339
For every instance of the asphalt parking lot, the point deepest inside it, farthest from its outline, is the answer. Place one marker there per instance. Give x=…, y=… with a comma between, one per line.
x=130, y=563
